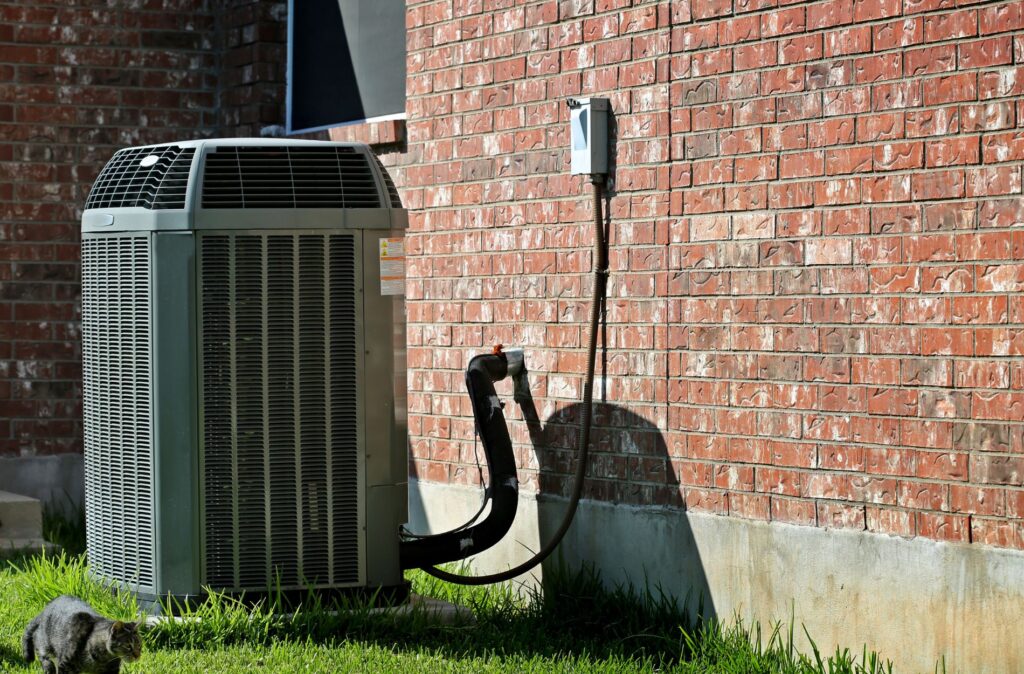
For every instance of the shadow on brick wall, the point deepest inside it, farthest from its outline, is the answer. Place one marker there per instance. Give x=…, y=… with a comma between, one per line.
x=631, y=525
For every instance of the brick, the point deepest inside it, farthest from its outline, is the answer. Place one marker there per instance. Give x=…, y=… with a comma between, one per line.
x=900, y=33
x=994, y=181
x=1001, y=213
x=841, y=516
x=739, y=29
x=944, y=527
x=987, y=117
x=1000, y=83
x=876, y=68
x=997, y=532
x=749, y=506
x=847, y=102
x=985, y=53
x=846, y=41
x=870, y=10
x=955, y=25
x=952, y=88
x=890, y=461
x=741, y=6
x=891, y=521
x=784, y=80
x=954, y=151
x=798, y=107
x=938, y=122
x=1003, y=147
x=1001, y=18
x=894, y=95
x=793, y=511
x=783, y=22
x=756, y=55
x=994, y=469
x=928, y=60
x=923, y=495
x=876, y=430
x=977, y=500
x=802, y=165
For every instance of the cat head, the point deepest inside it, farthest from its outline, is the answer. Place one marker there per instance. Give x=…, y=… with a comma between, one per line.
x=124, y=640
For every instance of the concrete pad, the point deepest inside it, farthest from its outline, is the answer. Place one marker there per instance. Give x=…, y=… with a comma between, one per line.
x=21, y=517
x=438, y=611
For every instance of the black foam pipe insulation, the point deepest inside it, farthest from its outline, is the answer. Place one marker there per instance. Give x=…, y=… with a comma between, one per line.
x=503, y=485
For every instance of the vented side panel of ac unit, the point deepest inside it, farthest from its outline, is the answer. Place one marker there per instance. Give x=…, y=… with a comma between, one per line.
x=281, y=464
x=117, y=375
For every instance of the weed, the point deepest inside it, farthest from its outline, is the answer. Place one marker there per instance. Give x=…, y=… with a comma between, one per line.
x=47, y=576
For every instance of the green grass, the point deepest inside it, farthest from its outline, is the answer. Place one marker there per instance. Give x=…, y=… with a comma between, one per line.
x=575, y=625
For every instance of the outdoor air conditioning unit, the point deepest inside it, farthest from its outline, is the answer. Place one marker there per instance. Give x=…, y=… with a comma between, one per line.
x=244, y=369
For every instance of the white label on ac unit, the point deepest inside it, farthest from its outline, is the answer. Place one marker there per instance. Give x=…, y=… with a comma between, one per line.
x=392, y=266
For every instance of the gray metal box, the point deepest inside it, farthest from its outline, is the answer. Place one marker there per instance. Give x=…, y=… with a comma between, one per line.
x=244, y=375
x=588, y=132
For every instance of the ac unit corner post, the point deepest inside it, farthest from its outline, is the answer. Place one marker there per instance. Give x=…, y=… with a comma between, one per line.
x=244, y=375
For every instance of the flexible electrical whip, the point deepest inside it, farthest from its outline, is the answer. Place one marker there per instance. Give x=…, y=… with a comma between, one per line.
x=582, y=451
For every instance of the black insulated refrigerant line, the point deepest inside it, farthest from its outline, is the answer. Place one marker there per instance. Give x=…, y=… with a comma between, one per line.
x=503, y=490
x=503, y=485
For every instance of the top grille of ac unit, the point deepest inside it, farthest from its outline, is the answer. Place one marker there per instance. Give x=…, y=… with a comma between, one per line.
x=129, y=180
x=299, y=176
x=188, y=185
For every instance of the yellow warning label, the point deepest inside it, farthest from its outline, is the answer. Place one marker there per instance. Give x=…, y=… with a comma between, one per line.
x=392, y=266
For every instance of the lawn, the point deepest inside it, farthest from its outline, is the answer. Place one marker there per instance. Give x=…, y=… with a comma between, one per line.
x=575, y=625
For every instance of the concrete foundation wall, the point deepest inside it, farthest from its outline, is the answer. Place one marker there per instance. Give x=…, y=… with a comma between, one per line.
x=914, y=601
x=58, y=481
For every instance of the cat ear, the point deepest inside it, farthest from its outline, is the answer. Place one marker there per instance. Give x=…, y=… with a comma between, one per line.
x=118, y=626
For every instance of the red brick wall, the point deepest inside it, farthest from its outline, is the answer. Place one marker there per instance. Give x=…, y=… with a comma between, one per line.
x=815, y=312
x=77, y=83
x=252, y=76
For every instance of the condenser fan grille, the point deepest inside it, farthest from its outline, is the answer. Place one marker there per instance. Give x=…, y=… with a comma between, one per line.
x=288, y=177
x=117, y=407
x=280, y=462
x=146, y=177
x=393, y=196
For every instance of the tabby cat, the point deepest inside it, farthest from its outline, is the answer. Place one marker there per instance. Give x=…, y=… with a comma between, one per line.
x=69, y=637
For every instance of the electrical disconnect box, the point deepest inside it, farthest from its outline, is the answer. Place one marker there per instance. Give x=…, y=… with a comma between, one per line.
x=589, y=130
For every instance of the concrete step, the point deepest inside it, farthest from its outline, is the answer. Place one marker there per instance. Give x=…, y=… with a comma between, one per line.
x=21, y=521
